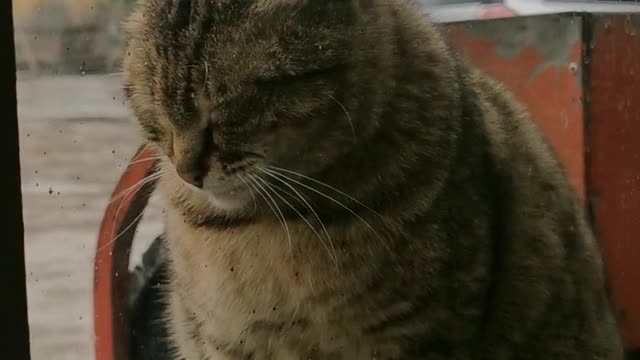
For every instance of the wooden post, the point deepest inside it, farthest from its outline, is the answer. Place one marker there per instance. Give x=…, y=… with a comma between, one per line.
x=15, y=341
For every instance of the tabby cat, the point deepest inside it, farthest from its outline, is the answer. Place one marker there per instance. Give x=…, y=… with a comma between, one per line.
x=339, y=184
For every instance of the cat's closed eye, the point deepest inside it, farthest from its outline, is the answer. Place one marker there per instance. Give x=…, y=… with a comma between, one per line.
x=320, y=73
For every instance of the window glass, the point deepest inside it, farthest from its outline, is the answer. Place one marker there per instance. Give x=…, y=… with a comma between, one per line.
x=76, y=139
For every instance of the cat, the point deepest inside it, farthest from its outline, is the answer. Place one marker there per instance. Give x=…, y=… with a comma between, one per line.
x=340, y=184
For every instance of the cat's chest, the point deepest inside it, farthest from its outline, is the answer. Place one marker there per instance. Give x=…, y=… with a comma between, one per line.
x=251, y=268
x=249, y=289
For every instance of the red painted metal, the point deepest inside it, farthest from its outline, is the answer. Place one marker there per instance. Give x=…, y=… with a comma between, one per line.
x=614, y=158
x=111, y=276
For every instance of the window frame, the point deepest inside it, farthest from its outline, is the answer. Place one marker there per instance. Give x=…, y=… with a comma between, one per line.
x=15, y=345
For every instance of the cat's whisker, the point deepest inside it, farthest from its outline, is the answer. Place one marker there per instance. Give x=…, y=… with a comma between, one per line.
x=135, y=186
x=149, y=158
x=277, y=214
x=106, y=76
x=273, y=189
x=337, y=202
x=133, y=222
x=137, y=161
x=127, y=194
x=301, y=196
x=145, y=160
x=131, y=191
x=306, y=203
x=206, y=74
x=275, y=204
x=281, y=170
x=255, y=203
x=284, y=191
x=251, y=183
x=353, y=129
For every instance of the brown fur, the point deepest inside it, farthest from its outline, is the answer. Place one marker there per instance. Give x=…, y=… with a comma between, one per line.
x=451, y=229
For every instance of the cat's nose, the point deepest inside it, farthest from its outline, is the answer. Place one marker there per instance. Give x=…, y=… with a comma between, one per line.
x=192, y=177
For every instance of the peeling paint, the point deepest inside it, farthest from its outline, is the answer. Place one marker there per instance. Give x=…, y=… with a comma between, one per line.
x=603, y=23
x=550, y=35
x=542, y=68
x=614, y=171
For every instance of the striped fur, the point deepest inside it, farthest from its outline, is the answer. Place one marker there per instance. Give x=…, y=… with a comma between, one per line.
x=445, y=228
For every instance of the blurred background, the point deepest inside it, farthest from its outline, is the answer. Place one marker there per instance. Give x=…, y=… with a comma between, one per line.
x=76, y=139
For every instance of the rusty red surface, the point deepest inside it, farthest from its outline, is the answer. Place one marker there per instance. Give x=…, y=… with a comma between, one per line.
x=614, y=159
x=552, y=94
x=111, y=273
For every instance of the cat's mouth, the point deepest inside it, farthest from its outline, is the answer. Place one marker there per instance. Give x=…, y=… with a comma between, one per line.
x=233, y=188
x=231, y=200
x=228, y=193
x=228, y=185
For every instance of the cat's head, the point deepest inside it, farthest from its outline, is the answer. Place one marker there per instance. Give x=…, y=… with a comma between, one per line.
x=233, y=90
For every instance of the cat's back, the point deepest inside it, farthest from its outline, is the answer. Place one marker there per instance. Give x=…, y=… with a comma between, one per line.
x=545, y=251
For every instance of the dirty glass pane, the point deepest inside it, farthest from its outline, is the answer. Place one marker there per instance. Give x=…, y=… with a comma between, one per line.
x=453, y=2
x=76, y=139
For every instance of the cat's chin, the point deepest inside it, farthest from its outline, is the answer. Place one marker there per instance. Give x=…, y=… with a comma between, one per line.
x=229, y=202
x=228, y=197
